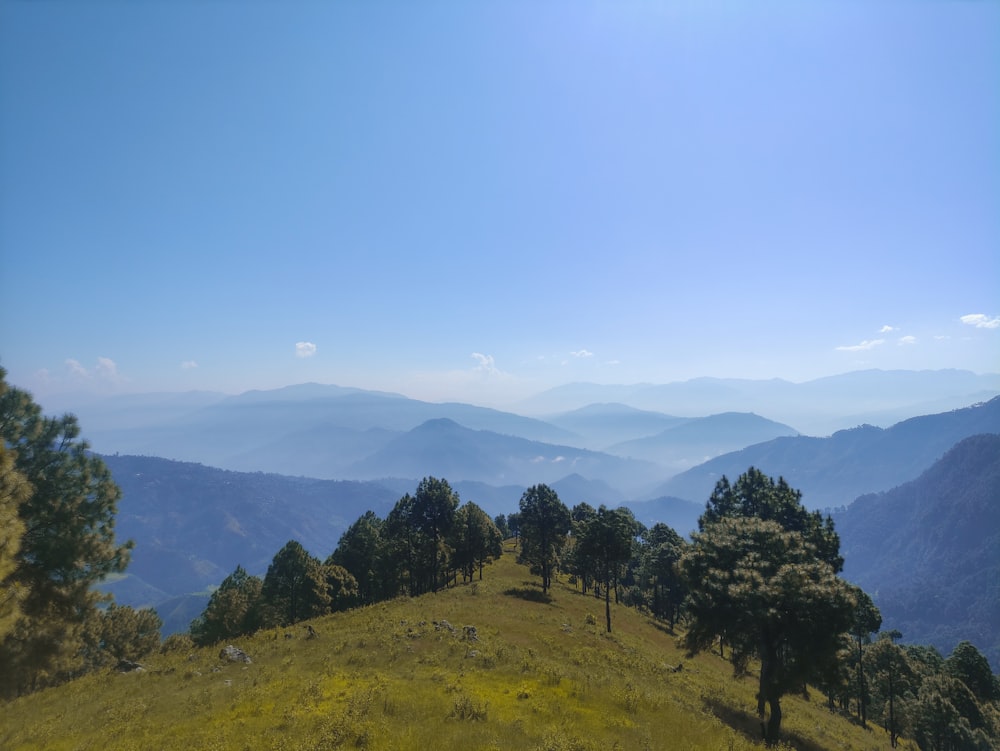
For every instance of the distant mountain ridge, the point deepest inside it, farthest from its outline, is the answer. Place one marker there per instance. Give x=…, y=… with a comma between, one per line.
x=336, y=432
x=833, y=471
x=817, y=407
x=928, y=551
x=444, y=448
x=699, y=439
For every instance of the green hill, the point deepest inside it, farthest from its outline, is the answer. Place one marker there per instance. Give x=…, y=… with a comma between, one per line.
x=540, y=674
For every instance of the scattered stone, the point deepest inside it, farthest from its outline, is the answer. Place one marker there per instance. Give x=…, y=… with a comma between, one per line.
x=128, y=666
x=443, y=626
x=312, y=632
x=472, y=653
x=234, y=654
x=469, y=633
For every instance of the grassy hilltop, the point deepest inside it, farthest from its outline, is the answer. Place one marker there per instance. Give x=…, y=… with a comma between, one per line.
x=541, y=674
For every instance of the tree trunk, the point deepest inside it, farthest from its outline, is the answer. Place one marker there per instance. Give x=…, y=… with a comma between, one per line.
x=769, y=694
x=774, y=721
x=862, y=698
x=607, y=607
x=892, y=713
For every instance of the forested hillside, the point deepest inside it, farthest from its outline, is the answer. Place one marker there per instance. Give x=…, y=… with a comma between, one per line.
x=194, y=524
x=928, y=551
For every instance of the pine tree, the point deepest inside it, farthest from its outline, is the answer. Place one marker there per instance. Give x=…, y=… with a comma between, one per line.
x=761, y=574
x=606, y=540
x=544, y=522
x=67, y=546
x=233, y=610
x=14, y=491
x=294, y=588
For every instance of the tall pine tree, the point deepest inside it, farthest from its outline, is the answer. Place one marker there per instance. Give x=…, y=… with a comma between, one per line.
x=67, y=546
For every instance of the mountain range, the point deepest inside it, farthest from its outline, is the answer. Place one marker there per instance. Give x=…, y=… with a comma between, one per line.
x=833, y=471
x=818, y=407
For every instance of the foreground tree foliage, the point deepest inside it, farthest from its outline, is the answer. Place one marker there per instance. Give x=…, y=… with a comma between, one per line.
x=762, y=578
x=67, y=544
x=120, y=633
x=14, y=491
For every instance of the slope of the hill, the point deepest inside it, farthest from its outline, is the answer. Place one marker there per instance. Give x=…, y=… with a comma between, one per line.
x=539, y=674
x=833, y=471
x=929, y=550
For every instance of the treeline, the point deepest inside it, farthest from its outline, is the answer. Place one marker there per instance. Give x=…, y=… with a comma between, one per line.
x=426, y=542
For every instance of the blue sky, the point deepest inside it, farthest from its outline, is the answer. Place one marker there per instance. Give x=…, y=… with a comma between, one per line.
x=478, y=200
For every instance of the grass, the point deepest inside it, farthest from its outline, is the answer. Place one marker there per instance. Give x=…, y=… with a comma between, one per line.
x=541, y=675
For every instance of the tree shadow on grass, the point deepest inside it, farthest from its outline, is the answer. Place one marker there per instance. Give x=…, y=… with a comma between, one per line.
x=532, y=593
x=661, y=626
x=749, y=726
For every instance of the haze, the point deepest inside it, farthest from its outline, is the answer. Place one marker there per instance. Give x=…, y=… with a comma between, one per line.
x=477, y=201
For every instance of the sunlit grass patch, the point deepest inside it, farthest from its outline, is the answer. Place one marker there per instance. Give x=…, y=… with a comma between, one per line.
x=530, y=675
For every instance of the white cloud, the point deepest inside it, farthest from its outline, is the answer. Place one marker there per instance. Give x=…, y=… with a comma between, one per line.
x=485, y=363
x=886, y=329
x=981, y=321
x=76, y=369
x=582, y=353
x=865, y=345
x=305, y=349
x=904, y=340
x=189, y=364
x=105, y=370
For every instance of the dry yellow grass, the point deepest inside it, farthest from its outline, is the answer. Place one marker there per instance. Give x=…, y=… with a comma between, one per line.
x=541, y=675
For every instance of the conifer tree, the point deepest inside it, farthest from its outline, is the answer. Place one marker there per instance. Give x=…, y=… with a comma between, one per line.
x=233, y=610
x=358, y=551
x=544, y=522
x=606, y=540
x=475, y=540
x=294, y=587
x=660, y=571
x=120, y=633
x=14, y=490
x=761, y=574
x=432, y=514
x=67, y=546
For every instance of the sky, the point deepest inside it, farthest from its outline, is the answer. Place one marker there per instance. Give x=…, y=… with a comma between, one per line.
x=476, y=201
